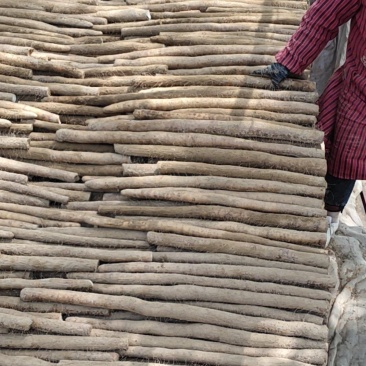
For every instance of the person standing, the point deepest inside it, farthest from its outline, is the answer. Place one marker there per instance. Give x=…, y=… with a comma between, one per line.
x=342, y=106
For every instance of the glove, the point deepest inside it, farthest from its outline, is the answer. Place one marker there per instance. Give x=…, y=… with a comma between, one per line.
x=276, y=72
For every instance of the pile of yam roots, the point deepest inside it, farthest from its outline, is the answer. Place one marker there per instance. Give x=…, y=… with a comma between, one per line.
x=159, y=204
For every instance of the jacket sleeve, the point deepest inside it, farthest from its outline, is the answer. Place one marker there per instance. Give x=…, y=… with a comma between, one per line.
x=318, y=26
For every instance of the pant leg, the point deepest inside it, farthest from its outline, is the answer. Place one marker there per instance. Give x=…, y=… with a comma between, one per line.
x=337, y=193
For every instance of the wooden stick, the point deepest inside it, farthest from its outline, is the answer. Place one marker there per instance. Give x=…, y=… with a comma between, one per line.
x=69, y=89
x=45, y=37
x=191, y=168
x=224, y=114
x=61, y=108
x=113, y=281
x=37, y=153
x=21, y=128
x=34, y=248
x=203, y=182
x=212, y=294
x=160, y=6
x=36, y=112
x=57, y=19
x=186, y=80
x=247, y=249
x=57, y=283
x=47, y=264
x=33, y=191
x=72, y=147
x=126, y=70
x=260, y=311
x=49, y=126
x=16, y=50
x=200, y=50
x=8, y=215
x=8, y=142
x=277, y=234
x=82, y=169
x=154, y=30
x=14, y=274
x=229, y=70
x=62, y=342
x=48, y=325
x=19, y=72
x=217, y=11
x=211, y=358
x=211, y=212
x=45, y=46
x=249, y=273
x=184, y=312
x=94, y=205
x=211, y=38
x=169, y=225
x=232, y=103
x=32, y=169
x=109, y=48
x=17, y=304
x=33, y=63
x=186, y=139
x=204, y=331
x=310, y=356
x=253, y=128
x=92, y=82
x=182, y=62
x=17, y=223
x=19, y=29
x=223, y=92
x=68, y=58
x=6, y=235
x=13, y=177
x=6, y=196
x=138, y=170
x=9, y=360
x=125, y=315
x=125, y=15
x=25, y=90
x=66, y=239
x=101, y=233
x=209, y=80
x=237, y=248
x=256, y=9
x=97, y=101
x=5, y=123
x=15, y=322
x=188, y=195
x=117, y=363
x=41, y=136
x=55, y=355
x=72, y=195
x=280, y=238
x=79, y=32
x=113, y=90
x=226, y=157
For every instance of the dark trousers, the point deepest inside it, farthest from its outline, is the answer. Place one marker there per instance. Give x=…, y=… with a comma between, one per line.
x=337, y=193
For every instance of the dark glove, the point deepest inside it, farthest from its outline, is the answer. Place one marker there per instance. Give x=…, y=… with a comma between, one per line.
x=276, y=72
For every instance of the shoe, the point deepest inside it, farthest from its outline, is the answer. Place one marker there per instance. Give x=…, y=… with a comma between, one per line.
x=332, y=228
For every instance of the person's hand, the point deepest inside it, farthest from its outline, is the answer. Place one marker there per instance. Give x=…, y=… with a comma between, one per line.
x=276, y=72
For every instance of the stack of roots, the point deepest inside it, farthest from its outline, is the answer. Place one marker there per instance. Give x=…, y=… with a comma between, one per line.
x=159, y=204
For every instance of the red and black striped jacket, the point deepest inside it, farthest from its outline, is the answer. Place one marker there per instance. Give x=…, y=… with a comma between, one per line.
x=342, y=106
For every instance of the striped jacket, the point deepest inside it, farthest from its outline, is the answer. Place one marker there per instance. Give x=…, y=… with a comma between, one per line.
x=342, y=106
